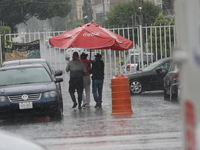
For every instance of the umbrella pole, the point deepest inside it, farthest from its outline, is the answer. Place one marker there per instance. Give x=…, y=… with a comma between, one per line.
x=90, y=54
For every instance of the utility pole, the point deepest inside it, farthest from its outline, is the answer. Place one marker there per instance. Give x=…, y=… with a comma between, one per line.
x=103, y=14
x=140, y=15
x=140, y=4
x=87, y=11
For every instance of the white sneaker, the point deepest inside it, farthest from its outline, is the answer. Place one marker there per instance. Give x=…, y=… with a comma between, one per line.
x=84, y=105
x=88, y=105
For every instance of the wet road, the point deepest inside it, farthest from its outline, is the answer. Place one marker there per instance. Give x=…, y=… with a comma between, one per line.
x=155, y=124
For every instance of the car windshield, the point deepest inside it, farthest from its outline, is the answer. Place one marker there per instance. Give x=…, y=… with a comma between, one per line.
x=17, y=63
x=23, y=76
x=134, y=59
x=152, y=66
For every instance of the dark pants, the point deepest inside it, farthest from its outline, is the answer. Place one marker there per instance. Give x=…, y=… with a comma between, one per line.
x=76, y=84
x=97, y=87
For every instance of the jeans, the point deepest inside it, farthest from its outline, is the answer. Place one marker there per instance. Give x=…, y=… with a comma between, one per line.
x=97, y=87
x=86, y=87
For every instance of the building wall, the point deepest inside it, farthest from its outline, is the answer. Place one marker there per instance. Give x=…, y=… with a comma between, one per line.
x=79, y=10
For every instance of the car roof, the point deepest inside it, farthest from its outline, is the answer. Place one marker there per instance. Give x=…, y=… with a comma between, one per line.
x=165, y=59
x=23, y=66
x=23, y=60
x=29, y=61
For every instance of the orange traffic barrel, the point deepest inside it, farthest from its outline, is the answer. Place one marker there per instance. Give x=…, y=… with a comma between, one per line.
x=121, y=101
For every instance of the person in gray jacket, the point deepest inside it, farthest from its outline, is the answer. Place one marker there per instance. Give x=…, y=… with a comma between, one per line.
x=77, y=71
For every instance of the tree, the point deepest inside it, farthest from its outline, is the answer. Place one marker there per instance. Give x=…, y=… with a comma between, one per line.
x=150, y=12
x=15, y=12
x=71, y=24
x=125, y=14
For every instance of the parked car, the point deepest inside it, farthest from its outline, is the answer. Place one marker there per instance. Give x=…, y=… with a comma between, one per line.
x=133, y=62
x=92, y=52
x=171, y=83
x=29, y=90
x=70, y=51
x=150, y=78
x=35, y=61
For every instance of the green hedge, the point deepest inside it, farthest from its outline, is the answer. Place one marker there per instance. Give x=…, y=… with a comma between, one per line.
x=5, y=30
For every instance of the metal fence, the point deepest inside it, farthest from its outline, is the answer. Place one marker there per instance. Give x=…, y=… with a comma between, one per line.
x=159, y=40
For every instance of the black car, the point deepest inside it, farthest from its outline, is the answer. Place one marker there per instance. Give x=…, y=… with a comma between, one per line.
x=171, y=83
x=29, y=90
x=150, y=78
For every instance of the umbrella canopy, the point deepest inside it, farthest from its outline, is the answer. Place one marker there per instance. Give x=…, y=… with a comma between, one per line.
x=91, y=36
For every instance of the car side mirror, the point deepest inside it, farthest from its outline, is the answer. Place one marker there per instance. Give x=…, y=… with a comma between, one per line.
x=164, y=71
x=58, y=73
x=58, y=79
x=158, y=70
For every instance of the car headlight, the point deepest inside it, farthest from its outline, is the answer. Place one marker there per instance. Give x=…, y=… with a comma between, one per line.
x=50, y=94
x=2, y=98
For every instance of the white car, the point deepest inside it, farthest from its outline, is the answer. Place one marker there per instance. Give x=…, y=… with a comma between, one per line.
x=69, y=52
x=133, y=61
x=92, y=52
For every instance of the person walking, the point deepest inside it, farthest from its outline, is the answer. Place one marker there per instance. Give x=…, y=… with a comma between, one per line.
x=97, y=79
x=77, y=71
x=86, y=80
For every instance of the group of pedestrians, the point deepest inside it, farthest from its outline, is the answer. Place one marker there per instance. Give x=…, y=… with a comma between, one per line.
x=82, y=71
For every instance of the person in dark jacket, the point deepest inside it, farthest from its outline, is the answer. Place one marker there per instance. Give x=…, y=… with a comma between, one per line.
x=77, y=71
x=97, y=72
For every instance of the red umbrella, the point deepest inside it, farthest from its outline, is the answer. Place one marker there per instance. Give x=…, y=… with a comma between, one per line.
x=91, y=36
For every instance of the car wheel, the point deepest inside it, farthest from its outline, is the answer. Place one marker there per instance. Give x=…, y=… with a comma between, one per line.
x=136, y=87
x=166, y=96
x=173, y=96
x=57, y=115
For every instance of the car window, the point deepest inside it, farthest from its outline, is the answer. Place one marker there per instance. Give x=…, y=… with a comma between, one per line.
x=134, y=59
x=172, y=67
x=165, y=65
x=152, y=66
x=24, y=75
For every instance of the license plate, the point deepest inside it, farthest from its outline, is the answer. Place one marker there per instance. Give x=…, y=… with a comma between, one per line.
x=26, y=105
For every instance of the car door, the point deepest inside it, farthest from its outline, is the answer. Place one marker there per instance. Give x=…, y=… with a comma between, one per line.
x=156, y=80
